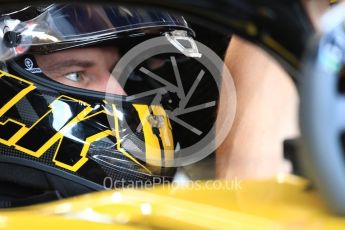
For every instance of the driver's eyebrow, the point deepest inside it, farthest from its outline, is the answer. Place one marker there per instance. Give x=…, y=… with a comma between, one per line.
x=68, y=63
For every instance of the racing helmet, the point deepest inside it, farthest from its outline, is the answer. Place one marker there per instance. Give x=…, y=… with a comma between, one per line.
x=59, y=140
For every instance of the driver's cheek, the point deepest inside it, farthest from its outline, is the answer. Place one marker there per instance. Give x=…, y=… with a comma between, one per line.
x=105, y=82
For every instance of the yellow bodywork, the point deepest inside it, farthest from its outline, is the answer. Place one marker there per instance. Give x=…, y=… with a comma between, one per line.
x=281, y=203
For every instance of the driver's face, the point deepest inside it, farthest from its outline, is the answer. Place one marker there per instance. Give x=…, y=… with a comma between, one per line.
x=87, y=68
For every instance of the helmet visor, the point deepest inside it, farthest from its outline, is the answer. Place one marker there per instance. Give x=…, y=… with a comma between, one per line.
x=87, y=22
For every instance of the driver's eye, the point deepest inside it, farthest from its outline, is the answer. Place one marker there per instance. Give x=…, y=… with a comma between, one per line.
x=75, y=76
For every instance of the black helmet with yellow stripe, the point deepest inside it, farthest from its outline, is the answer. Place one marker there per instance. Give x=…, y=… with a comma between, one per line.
x=59, y=138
